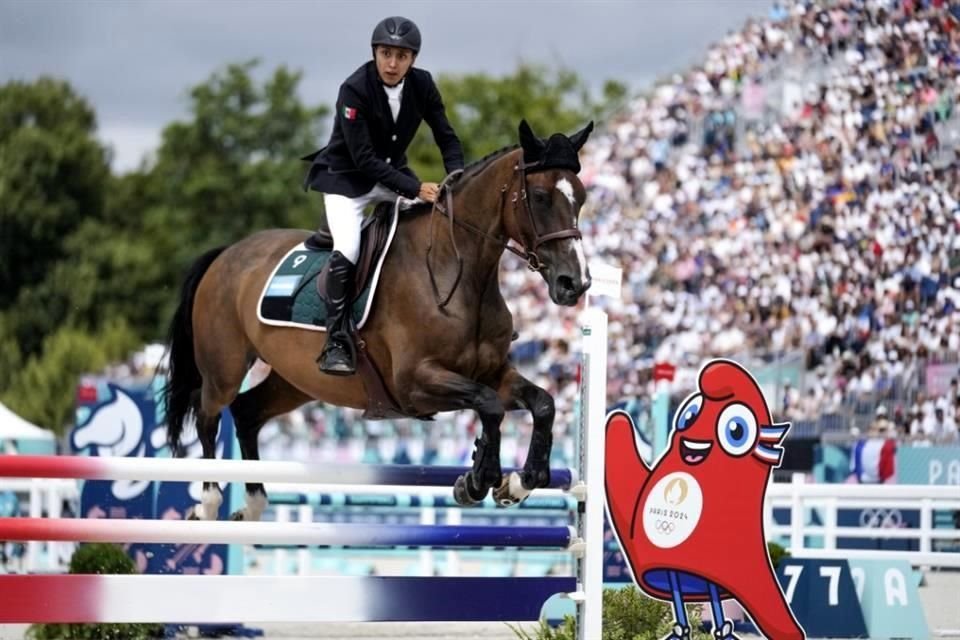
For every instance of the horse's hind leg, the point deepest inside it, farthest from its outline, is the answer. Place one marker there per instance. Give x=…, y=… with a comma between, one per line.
x=208, y=425
x=251, y=409
x=223, y=365
x=517, y=392
x=442, y=390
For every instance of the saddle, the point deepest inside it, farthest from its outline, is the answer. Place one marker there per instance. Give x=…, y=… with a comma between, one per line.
x=374, y=233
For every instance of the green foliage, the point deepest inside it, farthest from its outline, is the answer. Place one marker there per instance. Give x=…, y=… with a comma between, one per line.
x=234, y=168
x=628, y=614
x=486, y=111
x=777, y=553
x=52, y=176
x=43, y=391
x=92, y=262
x=567, y=630
x=11, y=358
x=99, y=558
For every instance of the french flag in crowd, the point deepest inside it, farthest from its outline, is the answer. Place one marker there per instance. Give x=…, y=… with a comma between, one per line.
x=872, y=461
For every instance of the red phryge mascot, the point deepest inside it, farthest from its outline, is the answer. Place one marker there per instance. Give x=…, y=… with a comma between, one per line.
x=692, y=527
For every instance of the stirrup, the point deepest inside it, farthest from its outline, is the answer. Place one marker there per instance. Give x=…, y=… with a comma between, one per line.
x=346, y=357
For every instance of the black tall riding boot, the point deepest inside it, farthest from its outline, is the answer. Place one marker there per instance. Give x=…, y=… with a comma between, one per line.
x=339, y=355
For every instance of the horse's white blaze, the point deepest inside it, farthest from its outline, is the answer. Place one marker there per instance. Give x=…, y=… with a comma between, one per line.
x=564, y=187
x=581, y=258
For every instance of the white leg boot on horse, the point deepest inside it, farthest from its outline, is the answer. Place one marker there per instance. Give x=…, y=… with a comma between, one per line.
x=210, y=500
x=519, y=393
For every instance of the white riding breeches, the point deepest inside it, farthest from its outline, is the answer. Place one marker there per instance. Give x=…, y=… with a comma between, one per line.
x=345, y=217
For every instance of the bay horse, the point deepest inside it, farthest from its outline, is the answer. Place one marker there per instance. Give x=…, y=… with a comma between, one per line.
x=433, y=355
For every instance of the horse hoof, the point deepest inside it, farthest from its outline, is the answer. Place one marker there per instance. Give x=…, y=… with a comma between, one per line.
x=191, y=514
x=461, y=493
x=238, y=516
x=510, y=492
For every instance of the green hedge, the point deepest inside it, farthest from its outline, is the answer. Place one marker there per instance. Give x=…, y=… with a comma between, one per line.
x=628, y=614
x=99, y=558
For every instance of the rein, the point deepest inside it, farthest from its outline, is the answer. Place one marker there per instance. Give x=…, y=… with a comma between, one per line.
x=528, y=255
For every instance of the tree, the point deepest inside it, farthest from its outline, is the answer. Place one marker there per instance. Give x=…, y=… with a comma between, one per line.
x=92, y=262
x=52, y=177
x=44, y=391
x=230, y=169
x=234, y=168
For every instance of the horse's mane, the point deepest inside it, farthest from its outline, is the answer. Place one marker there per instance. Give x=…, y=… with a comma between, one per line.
x=475, y=168
x=472, y=170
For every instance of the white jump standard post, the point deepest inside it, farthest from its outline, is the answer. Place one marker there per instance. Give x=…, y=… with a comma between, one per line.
x=590, y=460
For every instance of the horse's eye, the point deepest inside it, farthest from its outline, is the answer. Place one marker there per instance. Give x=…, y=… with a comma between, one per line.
x=541, y=196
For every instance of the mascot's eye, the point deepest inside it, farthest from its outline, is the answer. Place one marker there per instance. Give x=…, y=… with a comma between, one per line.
x=689, y=412
x=737, y=429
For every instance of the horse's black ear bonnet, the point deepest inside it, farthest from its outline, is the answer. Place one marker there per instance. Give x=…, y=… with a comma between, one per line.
x=559, y=152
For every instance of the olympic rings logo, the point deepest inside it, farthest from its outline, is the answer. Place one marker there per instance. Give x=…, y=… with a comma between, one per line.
x=665, y=526
x=881, y=518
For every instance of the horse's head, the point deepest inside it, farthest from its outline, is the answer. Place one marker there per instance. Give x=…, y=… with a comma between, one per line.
x=546, y=208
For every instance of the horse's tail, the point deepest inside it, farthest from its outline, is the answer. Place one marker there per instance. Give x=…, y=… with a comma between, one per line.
x=183, y=375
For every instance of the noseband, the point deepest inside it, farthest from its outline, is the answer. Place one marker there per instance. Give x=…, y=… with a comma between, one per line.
x=528, y=254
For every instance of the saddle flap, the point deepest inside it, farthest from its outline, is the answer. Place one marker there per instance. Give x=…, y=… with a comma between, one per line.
x=290, y=296
x=374, y=232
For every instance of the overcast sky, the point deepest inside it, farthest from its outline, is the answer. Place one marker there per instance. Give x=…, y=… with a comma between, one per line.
x=135, y=59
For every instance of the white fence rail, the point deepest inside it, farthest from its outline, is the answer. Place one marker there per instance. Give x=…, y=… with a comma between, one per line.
x=885, y=505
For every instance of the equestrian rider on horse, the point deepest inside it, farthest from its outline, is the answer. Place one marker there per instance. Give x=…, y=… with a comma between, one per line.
x=379, y=109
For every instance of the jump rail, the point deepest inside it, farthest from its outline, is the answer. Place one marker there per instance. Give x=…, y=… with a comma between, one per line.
x=227, y=599
x=284, y=533
x=195, y=470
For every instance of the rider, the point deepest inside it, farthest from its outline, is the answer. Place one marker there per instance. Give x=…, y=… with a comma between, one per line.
x=379, y=109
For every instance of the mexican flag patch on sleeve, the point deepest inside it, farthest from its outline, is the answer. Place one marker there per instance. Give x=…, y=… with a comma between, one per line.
x=349, y=113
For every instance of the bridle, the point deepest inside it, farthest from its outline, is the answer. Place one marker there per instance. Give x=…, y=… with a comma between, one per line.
x=520, y=195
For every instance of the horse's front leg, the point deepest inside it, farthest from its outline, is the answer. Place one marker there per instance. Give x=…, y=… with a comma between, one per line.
x=516, y=392
x=437, y=389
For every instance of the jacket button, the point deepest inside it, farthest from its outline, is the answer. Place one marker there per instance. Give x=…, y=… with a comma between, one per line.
x=388, y=160
x=393, y=137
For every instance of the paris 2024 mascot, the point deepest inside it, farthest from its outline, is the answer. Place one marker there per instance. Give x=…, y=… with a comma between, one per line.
x=692, y=526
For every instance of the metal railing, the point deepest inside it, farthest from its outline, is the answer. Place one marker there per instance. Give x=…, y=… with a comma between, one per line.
x=826, y=501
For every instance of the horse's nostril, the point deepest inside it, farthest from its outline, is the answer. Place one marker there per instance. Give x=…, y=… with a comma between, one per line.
x=565, y=283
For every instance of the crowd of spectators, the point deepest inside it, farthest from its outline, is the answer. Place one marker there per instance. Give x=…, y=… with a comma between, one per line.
x=795, y=194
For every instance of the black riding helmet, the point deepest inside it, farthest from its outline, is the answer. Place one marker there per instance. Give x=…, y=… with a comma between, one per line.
x=396, y=31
